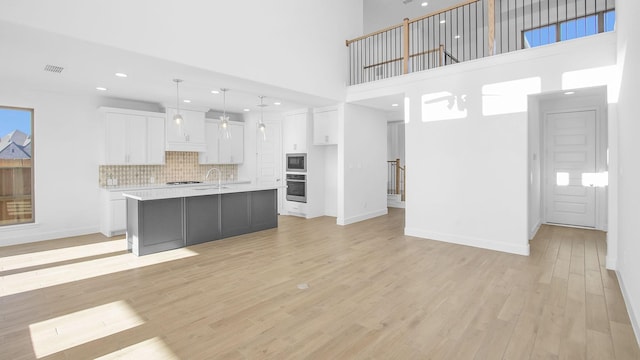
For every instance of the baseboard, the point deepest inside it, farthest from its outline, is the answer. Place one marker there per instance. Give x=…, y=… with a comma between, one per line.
x=362, y=217
x=470, y=241
x=635, y=322
x=396, y=204
x=47, y=235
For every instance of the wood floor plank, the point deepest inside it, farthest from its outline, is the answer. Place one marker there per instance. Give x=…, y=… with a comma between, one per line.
x=373, y=293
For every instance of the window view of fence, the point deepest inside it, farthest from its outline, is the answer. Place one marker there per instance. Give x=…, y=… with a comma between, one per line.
x=472, y=30
x=16, y=166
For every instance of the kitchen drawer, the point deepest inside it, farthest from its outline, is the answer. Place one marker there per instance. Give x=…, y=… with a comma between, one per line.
x=296, y=208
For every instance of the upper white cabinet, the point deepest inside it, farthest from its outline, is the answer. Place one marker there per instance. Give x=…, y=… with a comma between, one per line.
x=325, y=126
x=211, y=134
x=189, y=135
x=132, y=137
x=232, y=148
x=295, y=132
x=222, y=150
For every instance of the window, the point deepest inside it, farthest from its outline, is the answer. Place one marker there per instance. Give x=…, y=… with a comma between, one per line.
x=16, y=166
x=570, y=29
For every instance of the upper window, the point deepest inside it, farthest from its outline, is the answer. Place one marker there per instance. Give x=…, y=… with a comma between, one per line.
x=570, y=29
x=16, y=166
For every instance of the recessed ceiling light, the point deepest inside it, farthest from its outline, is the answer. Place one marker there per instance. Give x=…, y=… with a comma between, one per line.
x=570, y=93
x=443, y=21
x=215, y=92
x=246, y=110
x=100, y=88
x=277, y=103
x=187, y=100
x=457, y=36
x=424, y=4
x=122, y=75
x=395, y=105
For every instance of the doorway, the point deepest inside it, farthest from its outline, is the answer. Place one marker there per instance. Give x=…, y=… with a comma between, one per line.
x=568, y=159
x=269, y=158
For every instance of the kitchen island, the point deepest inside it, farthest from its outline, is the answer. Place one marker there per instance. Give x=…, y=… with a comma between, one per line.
x=171, y=218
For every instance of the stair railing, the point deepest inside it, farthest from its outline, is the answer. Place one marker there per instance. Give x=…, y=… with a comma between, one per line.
x=396, y=179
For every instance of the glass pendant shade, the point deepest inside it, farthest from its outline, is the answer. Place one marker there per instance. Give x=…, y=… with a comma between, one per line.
x=261, y=126
x=177, y=118
x=224, y=119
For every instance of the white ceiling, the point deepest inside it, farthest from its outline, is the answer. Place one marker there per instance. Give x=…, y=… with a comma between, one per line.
x=379, y=14
x=26, y=51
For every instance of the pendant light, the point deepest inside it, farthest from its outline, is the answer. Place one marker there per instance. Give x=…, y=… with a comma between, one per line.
x=261, y=126
x=224, y=119
x=177, y=117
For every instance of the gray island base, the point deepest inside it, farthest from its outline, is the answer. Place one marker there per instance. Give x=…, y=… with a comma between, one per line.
x=159, y=220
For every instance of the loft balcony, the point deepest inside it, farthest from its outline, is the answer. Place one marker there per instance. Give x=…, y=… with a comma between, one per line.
x=473, y=30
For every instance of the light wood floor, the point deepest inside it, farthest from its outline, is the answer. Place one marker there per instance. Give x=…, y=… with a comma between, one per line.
x=372, y=293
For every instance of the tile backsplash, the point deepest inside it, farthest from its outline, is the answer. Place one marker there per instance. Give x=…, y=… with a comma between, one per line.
x=179, y=166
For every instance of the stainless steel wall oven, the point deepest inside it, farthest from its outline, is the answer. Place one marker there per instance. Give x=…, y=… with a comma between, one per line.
x=297, y=187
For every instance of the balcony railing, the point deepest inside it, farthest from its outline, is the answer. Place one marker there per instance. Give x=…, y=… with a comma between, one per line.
x=473, y=30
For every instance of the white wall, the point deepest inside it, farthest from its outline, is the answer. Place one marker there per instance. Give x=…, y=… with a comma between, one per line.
x=395, y=141
x=468, y=178
x=535, y=214
x=331, y=180
x=362, y=157
x=629, y=167
x=66, y=165
x=294, y=44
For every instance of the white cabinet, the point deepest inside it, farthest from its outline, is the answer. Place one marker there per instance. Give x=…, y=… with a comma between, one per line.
x=113, y=220
x=155, y=140
x=188, y=135
x=325, y=126
x=132, y=137
x=212, y=135
x=232, y=149
x=295, y=132
x=221, y=150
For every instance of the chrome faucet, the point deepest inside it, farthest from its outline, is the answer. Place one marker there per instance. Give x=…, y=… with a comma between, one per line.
x=219, y=175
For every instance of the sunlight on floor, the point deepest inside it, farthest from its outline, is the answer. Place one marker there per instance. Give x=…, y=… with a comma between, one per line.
x=153, y=348
x=14, y=262
x=57, y=275
x=66, y=331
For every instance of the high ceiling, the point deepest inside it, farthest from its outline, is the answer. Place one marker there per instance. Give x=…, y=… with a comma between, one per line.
x=87, y=66
x=26, y=51
x=379, y=14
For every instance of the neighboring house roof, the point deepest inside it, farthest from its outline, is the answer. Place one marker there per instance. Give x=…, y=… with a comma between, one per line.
x=15, y=145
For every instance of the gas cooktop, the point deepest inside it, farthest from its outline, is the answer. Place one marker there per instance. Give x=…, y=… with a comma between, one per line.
x=183, y=182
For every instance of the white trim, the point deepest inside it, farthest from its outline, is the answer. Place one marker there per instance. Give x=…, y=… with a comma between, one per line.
x=470, y=241
x=362, y=217
x=628, y=302
x=534, y=230
x=15, y=240
x=611, y=262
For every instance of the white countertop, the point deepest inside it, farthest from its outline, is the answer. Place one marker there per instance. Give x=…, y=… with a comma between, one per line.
x=170, y=192
x=128, y=188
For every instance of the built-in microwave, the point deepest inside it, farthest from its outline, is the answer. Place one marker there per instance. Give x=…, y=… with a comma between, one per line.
x=297, y=162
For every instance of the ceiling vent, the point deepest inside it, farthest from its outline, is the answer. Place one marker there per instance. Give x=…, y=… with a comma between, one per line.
x=53, y=69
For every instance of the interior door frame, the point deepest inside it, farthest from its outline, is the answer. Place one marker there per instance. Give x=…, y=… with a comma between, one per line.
x=601, y=136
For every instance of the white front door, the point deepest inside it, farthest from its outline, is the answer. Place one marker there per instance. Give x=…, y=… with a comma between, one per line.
x=270, y=158
x=570, y=139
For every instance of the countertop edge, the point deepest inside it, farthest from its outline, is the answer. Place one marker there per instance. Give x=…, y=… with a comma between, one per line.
x=192, y=191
